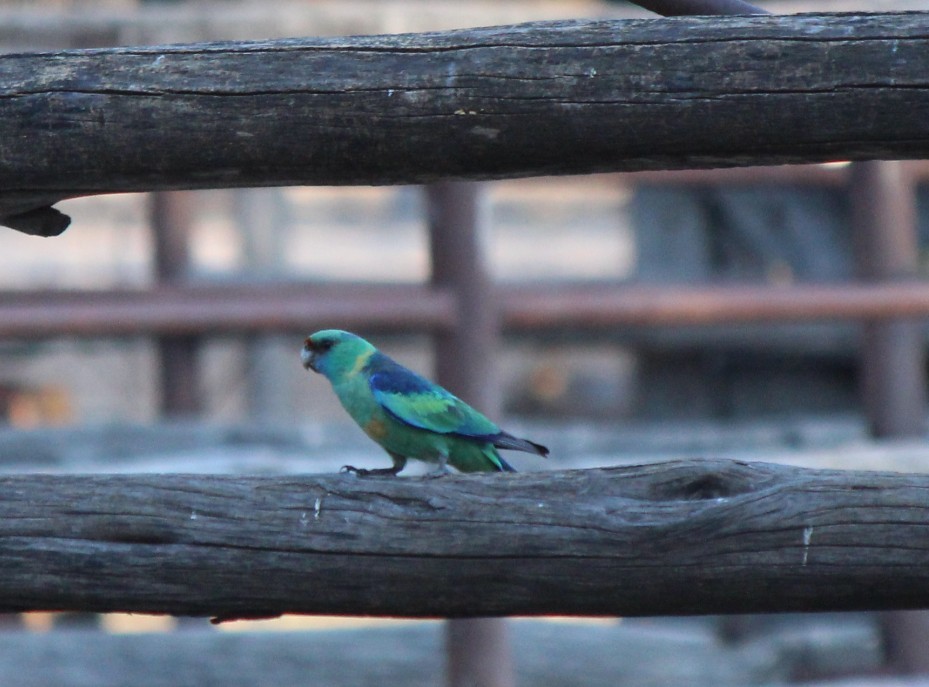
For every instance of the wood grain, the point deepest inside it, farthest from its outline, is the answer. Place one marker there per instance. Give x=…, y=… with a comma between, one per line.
x=686, y=537
x=570, y=97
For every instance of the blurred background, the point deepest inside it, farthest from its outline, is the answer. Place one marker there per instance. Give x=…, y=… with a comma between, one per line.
x=612, y=391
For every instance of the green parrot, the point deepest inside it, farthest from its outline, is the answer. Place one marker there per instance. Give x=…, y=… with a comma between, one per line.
x=405, y=413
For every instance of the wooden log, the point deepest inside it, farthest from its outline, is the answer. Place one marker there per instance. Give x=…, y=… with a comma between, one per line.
x=535, y=99
x=687, y=537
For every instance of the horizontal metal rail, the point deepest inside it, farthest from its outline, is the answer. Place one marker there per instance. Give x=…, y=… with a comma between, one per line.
x=829, y=175
x=171, y=310
x=212, y=310
x=604, y=306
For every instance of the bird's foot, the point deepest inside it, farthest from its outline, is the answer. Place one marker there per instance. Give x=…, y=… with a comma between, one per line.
x=377, y=472
x=440, y=471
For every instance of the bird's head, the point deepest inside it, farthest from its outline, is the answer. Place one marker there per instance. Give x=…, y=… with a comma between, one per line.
x=333, y=352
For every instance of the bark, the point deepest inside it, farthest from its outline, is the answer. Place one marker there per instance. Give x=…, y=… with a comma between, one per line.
x=687, y=537
x=569, y=97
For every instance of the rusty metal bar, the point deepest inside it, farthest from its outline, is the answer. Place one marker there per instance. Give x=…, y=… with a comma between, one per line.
x=831, y=175
x=479, y=653
x=170, y=217
x=179, y=376
x=477, y=649
x=883, y=204
x=212, y=310
x=893, y=358
x=602, y=305
x=465, y=355
x=783, y=175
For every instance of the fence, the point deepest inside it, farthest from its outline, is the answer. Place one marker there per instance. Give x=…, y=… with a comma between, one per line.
x=363, y=124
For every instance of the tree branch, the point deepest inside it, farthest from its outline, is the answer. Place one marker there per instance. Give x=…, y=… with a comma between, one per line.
x=535, y=99
x=703, y=536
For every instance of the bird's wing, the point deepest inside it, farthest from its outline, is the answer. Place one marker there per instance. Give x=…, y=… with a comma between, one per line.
x=418, y=402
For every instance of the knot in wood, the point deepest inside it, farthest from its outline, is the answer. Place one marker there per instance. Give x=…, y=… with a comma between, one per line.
x=694, y=481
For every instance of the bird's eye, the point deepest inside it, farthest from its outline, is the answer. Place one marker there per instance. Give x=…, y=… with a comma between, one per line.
x=325, y=345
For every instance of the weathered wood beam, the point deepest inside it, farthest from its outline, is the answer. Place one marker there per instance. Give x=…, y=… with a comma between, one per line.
x=535, y=99
x=689, y=537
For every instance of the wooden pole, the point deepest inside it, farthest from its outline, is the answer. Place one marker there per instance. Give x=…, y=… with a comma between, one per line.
x=478, y=649
x=687, y=537
x=690, y=92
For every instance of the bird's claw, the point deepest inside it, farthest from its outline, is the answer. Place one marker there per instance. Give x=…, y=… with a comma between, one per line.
x=361, y=472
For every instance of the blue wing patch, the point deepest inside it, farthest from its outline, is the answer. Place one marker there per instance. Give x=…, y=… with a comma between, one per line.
x=416, y=401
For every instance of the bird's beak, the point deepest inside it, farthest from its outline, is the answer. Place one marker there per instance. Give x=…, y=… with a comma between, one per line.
x=308, y=358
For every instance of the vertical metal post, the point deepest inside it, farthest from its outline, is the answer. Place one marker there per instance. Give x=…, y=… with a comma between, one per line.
x=478, y=651
x=465, y=357
x=171, y=217
x=883, y=205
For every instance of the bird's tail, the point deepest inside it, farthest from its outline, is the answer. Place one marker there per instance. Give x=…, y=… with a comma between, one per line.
x=504, y=466
x=508, y=441
x=498, y=464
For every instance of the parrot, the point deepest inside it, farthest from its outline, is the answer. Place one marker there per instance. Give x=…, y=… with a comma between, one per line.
x=409, y=416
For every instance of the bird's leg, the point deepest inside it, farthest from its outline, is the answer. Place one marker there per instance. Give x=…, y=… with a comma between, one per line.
x=399, y=464
x=442, y=470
